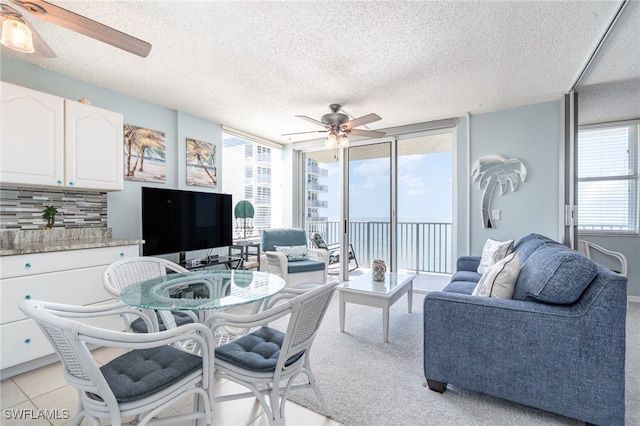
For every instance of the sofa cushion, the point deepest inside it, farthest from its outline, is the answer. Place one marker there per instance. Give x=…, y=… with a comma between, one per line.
x=294, y=253
x=554, y=275
x=492, y=252
x=528, y=244
x=462, y=287
x=466, y=276
x=500, y=280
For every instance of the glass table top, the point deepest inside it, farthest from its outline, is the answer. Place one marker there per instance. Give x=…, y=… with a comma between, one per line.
x=392, y=282
x=202, y=290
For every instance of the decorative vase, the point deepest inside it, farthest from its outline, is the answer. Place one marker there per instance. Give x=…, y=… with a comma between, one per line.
x=378, y=269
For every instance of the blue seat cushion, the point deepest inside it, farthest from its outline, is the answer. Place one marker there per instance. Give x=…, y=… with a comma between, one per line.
x=555, y=275
x=466, y=276
x=462, y=287
x=257, y=351
x=181, y=318
x=304, y=266
x=143, y=372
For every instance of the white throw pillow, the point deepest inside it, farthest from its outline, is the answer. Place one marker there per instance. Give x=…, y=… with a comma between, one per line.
x=492, y=252
x=500, y=280
x=293, y=253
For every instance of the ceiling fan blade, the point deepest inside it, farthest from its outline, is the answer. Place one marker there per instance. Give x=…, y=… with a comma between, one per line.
x=301, y=133
x=88, y=27
x=40, y=47
x=351, y=117
x=365, y=119
x=313, y=120
x=368, y=133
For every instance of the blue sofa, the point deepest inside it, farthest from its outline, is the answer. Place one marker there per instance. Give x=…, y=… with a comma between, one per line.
x=558, y=345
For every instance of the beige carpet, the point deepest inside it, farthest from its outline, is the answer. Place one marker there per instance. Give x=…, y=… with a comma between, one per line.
x=367, y=382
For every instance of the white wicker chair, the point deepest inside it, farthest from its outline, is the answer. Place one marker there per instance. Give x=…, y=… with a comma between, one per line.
x=263, y=370
x=124, y=272
x=129, y=385
x=312, y=270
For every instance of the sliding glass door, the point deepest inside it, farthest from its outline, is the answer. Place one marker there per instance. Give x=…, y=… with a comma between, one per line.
x=369, y=196
x=389, y=200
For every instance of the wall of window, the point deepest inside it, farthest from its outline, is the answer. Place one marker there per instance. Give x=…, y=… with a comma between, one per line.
x=247, y=176
x=608, y=178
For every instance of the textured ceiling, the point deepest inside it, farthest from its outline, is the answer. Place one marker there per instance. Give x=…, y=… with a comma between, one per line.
x=253, y=65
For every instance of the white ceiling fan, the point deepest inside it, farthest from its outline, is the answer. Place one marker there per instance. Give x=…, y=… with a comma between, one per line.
x=339, y=125
x=18, y=34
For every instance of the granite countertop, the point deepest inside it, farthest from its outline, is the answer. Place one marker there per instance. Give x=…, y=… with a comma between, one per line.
x=43, y=241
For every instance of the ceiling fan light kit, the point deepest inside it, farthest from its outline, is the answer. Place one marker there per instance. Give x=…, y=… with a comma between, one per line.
x=16, y=35
x=339, y=125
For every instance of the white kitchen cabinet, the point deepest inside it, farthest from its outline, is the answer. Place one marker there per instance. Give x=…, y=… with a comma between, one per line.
x=93, y=147
x=55, y=142
x=73, y=277
x=31, y=137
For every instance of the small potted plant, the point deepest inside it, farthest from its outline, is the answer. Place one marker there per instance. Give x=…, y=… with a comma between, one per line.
x=49, y=214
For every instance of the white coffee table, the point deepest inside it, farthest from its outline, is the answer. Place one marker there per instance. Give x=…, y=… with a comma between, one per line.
x=378, y=294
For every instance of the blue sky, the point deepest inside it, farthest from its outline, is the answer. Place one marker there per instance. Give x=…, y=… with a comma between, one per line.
x=424, y=188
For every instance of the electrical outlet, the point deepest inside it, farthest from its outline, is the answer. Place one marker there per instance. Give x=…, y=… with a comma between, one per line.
x=495, y=214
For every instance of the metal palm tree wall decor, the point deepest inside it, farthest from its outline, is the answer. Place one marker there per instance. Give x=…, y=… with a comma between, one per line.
x=493, y=172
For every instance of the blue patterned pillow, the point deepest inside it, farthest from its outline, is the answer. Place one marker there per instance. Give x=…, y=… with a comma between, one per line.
x=294, y=253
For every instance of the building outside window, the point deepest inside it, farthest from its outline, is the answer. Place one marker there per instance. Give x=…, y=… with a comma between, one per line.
x=608, y=178
x=247, y=176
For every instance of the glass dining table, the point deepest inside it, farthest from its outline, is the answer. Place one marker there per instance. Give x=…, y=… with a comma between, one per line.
x=202, y=291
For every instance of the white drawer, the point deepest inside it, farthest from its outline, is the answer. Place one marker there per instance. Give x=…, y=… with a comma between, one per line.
x=41, y=263
x=74, y=287
x=23, y=341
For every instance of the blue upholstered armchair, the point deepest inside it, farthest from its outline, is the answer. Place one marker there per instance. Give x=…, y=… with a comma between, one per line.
x=289, y=257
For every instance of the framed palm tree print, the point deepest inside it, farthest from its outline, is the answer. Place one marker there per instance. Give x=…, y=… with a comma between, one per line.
x=144, y=154
x=201, y=164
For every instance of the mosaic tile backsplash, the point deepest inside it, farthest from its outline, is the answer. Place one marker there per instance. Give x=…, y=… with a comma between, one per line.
x=21, y=208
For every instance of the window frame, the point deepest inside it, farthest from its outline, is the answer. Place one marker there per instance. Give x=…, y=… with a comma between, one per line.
x=633, y=176
x=253, y=182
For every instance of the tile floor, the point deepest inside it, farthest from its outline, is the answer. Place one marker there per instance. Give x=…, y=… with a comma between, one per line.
x=46, y=390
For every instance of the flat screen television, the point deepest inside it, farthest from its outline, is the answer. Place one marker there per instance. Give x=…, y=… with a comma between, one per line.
x=175, y=221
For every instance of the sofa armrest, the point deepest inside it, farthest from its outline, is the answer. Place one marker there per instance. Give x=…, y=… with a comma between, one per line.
x=468, y=263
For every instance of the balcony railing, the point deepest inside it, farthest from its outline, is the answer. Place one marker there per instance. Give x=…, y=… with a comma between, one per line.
x=312, y=186
x=422, y=247
x=317, y=203
x=317, y=171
